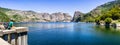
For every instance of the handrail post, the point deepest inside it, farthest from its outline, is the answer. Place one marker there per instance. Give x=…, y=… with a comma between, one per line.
x=16, y=39
x=1, y=33
x=9, y=38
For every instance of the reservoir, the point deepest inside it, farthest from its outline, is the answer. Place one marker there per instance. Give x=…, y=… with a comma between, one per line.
x=64, y=33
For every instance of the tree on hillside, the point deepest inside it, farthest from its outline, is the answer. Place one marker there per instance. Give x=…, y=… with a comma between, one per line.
x=97, y=20
x=107, y=22
x=115, y=12
x=105, y=15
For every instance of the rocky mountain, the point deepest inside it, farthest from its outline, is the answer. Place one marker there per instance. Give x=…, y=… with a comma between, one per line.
x=31, y=16
x=98, y=11
x=103, y=8
x=78, y=16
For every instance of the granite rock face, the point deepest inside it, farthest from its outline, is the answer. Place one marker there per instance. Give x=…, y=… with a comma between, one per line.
x=31, y=16
x=77, y=16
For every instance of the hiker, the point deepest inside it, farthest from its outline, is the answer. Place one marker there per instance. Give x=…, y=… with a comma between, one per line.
x=2, y=26
x=10, y=24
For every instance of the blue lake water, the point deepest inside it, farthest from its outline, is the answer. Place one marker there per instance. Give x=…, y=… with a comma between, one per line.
x=70, y=34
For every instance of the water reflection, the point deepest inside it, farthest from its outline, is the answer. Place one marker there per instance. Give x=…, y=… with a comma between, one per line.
x=117, y=29
x=70, y=34
x=45, y=25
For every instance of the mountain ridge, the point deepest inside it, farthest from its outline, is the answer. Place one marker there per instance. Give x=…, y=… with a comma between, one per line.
x=98, y=11
x=31, y=16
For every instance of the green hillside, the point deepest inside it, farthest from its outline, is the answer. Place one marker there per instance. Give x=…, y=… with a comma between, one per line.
x=4, y=17
x=4, y=9
x=103, y=10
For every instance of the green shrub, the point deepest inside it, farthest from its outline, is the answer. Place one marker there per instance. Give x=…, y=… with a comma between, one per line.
x=97, y=19
x=118, y=20
x=91, y=20
x=108, y=20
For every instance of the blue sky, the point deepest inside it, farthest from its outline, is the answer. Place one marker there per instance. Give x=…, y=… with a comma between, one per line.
x=52, y=6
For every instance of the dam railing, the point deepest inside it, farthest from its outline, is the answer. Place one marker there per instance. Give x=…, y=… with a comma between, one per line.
x=16, y=36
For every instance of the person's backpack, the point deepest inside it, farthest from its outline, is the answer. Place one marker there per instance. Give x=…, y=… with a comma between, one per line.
x=6, y=25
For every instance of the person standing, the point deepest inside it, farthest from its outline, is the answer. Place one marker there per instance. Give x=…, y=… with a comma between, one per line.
x=10, y=24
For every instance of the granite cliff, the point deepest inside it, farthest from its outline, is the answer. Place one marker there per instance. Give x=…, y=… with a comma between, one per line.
x=31, y=16
x=78, y=16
